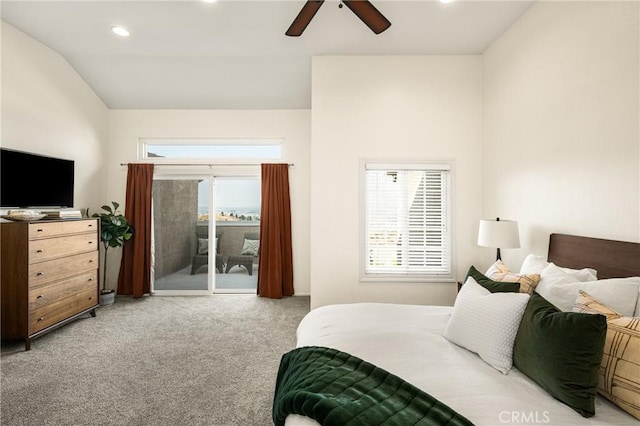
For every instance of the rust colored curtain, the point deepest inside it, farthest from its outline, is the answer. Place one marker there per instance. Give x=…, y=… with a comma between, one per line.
x=275, y=265
x=135, y=267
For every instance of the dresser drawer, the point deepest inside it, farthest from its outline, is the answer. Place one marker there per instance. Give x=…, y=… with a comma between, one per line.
x=53, y=270
x=51, y=293
x=62, y=309
x=51, y=248
x=52, y=229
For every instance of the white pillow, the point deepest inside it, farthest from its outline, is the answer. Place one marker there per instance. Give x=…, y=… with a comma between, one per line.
x=536, y=264
x=619, y=294
x=533, y=264
x=637, y=314
x=553, y=275
x=486, y=323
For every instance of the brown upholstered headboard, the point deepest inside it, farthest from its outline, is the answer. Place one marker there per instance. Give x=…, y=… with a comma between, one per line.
x=612, y=259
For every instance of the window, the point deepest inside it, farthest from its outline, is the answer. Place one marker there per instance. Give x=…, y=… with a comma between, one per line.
x=407, y=225
x=211, y=149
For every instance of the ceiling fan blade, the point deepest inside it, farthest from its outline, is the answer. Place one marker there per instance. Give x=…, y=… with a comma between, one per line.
x=368, y=13
x=305, y=16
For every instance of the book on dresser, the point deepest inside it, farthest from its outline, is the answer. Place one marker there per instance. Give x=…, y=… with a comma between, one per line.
x=62, y=214
x=49, y=275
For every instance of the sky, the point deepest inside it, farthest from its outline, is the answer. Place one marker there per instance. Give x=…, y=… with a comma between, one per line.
x=232, y=193
x=229, y=151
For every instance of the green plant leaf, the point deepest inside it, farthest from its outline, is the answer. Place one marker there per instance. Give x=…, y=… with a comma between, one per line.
x=115, y=228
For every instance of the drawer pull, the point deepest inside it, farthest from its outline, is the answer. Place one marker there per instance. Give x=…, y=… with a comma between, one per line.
x=91, y=298
x=90, y=279
x=39, y=274
x=40, y=319
x=91, y=225
x=91, y=261
x=38, y=251
x=40, y=296
x=40, y=230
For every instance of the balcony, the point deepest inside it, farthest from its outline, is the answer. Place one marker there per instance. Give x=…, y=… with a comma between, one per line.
x=177, y=226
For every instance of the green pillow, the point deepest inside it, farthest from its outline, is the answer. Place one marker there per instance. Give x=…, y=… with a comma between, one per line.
x=561, y=351
x=491, y=285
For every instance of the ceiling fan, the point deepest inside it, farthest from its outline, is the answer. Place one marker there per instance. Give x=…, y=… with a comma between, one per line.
x=363, y=9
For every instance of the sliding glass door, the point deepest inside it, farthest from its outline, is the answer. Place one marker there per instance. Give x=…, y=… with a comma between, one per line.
x=205, y=235
x=238, y=226
x=181, y=237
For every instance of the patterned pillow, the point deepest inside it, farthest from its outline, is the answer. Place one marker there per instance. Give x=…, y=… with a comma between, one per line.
x=250, y=247
x=499, y=272
x=491, y=285
x=619, y=375
x=203, y=246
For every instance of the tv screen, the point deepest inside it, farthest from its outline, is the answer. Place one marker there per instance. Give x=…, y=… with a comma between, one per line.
x=31, y=180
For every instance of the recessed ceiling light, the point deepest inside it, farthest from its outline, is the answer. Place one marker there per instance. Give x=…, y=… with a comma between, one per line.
x=209, y=1
x=446, y=1
x=121, y=31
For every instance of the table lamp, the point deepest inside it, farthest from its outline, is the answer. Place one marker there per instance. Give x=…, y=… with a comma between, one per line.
x=498, y=233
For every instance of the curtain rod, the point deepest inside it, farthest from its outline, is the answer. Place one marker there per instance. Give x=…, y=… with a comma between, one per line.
x=206, y=164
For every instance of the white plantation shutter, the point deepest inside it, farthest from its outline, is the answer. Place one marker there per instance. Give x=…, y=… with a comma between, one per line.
x=407, y=225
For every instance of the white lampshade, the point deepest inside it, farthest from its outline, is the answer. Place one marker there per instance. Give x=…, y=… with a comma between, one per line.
x=499, y=234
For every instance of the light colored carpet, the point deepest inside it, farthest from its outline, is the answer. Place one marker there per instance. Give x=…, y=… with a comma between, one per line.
x=208, y=360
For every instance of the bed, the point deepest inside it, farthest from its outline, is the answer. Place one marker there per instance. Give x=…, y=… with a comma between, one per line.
x=407, y=341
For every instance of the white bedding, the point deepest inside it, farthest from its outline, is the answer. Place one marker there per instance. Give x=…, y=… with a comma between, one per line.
x=407, y=341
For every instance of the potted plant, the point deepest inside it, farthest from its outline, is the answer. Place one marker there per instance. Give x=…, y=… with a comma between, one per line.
x=114, y=232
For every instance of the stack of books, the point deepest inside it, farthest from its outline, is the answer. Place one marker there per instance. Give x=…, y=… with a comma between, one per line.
x=63, y=214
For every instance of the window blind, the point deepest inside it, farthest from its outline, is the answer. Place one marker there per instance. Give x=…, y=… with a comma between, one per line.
x=407, y=225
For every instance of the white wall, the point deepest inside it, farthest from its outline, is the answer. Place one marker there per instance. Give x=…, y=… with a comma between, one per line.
x=47, y=108
x=543, y=128
x=561, y=126
x=389, y=108
x=126, y=127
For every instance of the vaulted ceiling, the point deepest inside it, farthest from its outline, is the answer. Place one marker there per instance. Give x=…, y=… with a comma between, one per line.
x=233, y=54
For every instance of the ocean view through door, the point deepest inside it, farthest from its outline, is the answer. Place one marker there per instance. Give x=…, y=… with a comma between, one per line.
x=196, y=252
x=237, y=224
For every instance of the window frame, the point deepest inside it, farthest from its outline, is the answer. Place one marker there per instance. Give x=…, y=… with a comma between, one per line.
x=408, y=277
x=144, y=143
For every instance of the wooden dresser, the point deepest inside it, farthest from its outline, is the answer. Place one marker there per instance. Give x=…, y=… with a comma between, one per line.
x=49, y=275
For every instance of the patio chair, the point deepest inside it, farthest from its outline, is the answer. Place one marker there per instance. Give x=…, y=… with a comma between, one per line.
x=201, y=257
x=249, y=252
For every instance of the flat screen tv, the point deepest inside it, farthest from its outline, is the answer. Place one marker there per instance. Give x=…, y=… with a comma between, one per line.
x=32, y=180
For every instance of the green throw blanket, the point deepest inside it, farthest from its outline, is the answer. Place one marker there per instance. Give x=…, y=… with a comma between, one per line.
x=337, y=389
